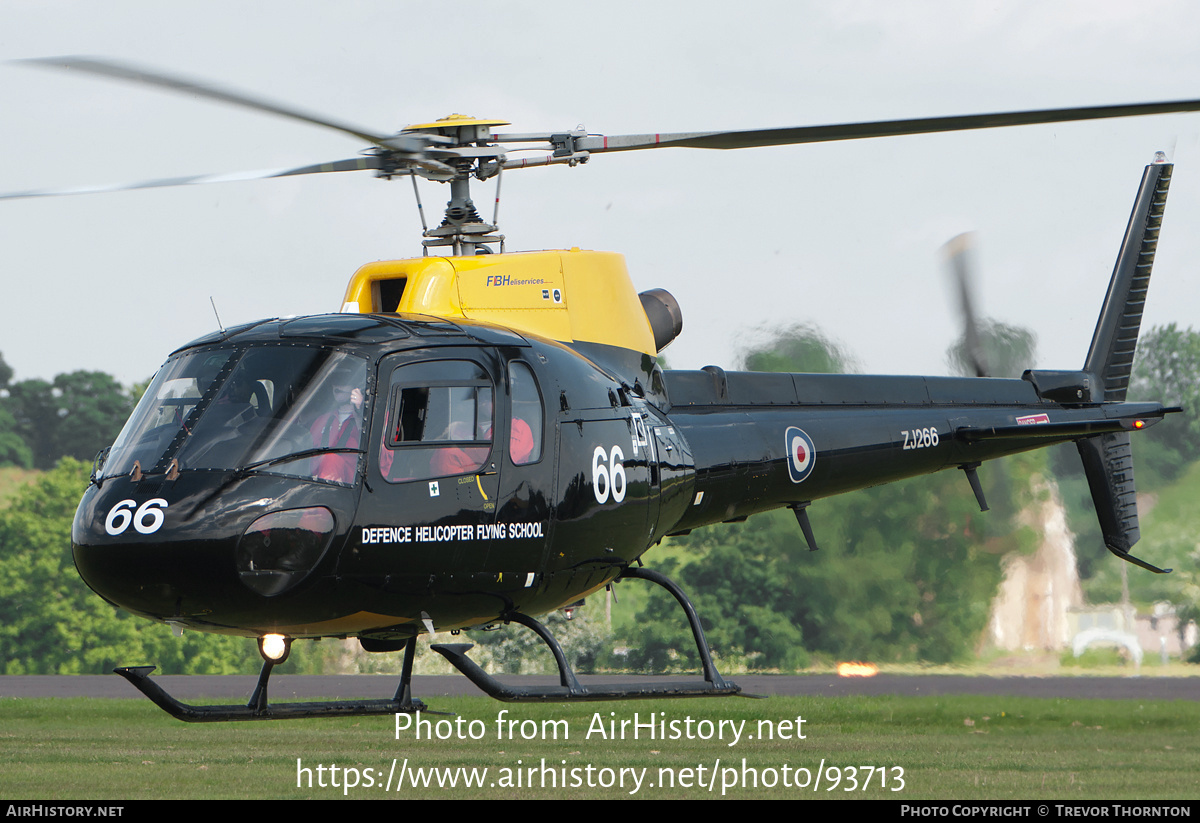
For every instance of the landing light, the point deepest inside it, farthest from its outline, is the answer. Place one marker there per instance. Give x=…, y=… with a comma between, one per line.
x=857, y=670
x=274, y=647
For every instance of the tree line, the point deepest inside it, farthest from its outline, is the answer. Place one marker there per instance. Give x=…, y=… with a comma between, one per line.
x=73, y=415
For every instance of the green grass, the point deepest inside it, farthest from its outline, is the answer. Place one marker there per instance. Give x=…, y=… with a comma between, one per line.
x=942, y=748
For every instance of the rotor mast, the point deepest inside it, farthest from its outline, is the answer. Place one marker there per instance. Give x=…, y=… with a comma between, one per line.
x=468, y=152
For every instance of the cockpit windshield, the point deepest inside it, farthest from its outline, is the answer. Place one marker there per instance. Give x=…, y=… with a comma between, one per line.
x=292, y=410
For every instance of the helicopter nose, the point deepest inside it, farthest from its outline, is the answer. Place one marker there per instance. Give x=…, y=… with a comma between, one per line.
x=217, y=552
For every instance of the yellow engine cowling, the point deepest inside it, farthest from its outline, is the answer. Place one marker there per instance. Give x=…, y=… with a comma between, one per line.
x=569, y=296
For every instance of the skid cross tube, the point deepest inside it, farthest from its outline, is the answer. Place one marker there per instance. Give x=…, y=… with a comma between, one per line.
x=570, y=689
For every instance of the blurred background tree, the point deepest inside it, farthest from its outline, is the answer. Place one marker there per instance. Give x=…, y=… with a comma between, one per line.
x=52, y=623
x=1007, y=351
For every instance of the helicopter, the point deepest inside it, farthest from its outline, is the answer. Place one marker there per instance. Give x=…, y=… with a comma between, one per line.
x=482, y=436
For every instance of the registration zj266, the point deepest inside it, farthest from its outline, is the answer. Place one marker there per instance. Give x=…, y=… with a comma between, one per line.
x=919, y=438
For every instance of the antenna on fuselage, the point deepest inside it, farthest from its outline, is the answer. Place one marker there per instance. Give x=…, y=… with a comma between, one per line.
x=214, y=305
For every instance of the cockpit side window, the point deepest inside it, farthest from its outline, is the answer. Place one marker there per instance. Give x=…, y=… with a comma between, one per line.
x=525, y=426
x=439, y=421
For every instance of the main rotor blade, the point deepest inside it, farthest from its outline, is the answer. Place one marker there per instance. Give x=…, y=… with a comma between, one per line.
x=879, y=128
x=355, y=164
x=133, y=74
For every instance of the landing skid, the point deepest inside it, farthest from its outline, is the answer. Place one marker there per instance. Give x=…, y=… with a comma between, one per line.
x=570, y=689
x=260, y=709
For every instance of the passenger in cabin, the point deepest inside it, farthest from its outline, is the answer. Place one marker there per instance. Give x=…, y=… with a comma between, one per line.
x=451, y=461
x=465, y=426
x=339, y=428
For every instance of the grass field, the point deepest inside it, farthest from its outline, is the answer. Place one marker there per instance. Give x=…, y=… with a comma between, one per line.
x=956, y=748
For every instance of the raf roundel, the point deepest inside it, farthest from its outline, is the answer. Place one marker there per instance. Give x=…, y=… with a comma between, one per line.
x=801, y=454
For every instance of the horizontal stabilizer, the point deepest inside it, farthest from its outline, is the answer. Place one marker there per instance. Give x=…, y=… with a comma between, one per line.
x=1141, y=417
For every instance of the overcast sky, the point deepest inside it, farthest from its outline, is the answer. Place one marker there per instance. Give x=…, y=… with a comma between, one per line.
x=845, y=235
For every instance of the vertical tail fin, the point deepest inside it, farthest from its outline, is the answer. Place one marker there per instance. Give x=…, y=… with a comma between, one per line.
x=1110, y=357
x=1107, y=459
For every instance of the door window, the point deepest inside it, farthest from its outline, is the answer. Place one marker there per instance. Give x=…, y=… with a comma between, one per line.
x=439, y=421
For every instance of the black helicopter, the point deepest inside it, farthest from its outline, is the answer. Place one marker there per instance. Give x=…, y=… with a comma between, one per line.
x=484, y=436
